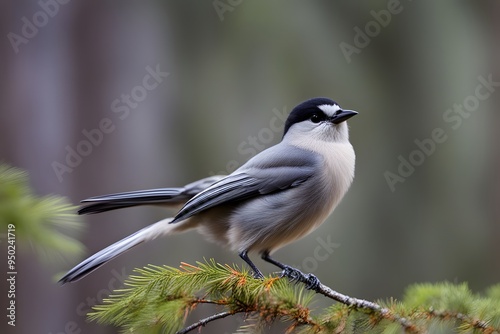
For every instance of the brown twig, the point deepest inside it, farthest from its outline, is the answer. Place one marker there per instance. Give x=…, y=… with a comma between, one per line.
x=206, y=320
x=481, y=326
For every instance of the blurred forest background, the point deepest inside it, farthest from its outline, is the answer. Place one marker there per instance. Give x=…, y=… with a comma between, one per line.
x=234, y=68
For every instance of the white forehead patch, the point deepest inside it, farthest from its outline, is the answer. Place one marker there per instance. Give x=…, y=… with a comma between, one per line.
x=329, y=109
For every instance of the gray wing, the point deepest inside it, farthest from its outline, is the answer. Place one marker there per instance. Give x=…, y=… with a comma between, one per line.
x=271, y=171
x=160, y=196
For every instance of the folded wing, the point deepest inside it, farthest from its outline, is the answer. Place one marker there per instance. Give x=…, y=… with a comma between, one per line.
x=257, y=177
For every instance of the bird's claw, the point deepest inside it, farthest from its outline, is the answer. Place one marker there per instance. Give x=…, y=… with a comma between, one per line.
x=295, y=275
x=291, y=273
x=313, y=282
x=258, y=275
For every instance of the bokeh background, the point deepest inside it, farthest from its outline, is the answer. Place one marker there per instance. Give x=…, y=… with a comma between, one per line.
x=235, y=67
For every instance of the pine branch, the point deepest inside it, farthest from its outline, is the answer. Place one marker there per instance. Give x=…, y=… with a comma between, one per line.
x=205, y=321
x=467, y=321
x=48, y=223
x=162, y=297
x=356, y=303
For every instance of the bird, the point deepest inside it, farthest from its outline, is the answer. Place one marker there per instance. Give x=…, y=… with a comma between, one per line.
x=278, y=196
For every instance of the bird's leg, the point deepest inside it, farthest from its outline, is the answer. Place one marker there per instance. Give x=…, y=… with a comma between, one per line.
x=256, y=272
x=311, y=281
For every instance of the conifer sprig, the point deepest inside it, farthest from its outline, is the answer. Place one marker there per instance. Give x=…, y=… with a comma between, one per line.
x=48, y=223
x=168, y=294
x=162, y=297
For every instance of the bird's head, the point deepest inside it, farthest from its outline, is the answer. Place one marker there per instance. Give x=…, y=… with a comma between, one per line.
x=319, y=118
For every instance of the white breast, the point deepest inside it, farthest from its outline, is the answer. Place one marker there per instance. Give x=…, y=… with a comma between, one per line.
x=263, y=225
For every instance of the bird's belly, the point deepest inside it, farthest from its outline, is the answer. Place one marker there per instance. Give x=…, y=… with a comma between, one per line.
x=270, y=222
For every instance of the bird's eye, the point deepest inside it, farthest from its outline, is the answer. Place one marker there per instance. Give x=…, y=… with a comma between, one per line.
x=315, y=118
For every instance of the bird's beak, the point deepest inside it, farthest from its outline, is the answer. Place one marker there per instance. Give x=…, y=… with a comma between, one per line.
x=343, y=116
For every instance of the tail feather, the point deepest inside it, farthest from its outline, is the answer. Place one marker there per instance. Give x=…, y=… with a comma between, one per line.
x=98, y=259
x=161, y=196
x=165, y=196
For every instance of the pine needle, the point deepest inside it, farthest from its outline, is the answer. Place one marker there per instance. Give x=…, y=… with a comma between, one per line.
x=47, y=223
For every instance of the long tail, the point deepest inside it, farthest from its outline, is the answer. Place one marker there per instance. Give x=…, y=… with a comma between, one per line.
x=98, y=259
x=161, y=196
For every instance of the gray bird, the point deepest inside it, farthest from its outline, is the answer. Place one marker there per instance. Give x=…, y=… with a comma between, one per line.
x=277, y=197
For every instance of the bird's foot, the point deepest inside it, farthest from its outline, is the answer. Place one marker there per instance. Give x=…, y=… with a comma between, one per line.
x=295, y=275
x=257, y=275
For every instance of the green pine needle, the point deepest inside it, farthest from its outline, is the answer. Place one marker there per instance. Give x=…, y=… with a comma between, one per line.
x=49, y=224
x=159, y=299
x=162, y=296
